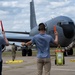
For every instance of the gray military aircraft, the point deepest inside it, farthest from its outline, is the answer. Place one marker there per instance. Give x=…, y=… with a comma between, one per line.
x=64, y=25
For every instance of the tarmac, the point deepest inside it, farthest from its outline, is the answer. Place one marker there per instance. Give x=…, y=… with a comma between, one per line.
x=29, y=66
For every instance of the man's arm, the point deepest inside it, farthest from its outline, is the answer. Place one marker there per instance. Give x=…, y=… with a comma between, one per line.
x=56, y=37
x=7, y=43
x=27, y=44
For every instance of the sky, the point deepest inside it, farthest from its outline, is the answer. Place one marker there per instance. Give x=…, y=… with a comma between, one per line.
x=15, y=14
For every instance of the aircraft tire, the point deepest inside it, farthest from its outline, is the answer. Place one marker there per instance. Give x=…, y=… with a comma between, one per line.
x=55, y=61
x=65, y=53
x=63, y=61
x=29, y=52
x=70, y=52
x=24, y=52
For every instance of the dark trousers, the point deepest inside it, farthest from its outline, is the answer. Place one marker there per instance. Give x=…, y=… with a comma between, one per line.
x=0, y=67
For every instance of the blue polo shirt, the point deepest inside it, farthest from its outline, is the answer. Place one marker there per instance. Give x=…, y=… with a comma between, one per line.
x=42, y=42
x=2, y=42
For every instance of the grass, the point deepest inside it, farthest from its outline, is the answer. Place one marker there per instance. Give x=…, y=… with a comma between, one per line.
x=34, y=52
x=9, y=53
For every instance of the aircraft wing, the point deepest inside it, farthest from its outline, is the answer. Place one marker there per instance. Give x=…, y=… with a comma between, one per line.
x=16, y=38
x=18, y=44
x=17, y=32
x=19, y=38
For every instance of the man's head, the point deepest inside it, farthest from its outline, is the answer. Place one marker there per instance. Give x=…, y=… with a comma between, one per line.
x=42, y=27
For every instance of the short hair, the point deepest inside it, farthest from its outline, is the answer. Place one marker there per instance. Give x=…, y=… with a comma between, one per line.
x=42, y=27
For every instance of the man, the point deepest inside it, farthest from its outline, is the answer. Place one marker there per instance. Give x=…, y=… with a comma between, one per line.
x=42, y=42
x=3, y=41
x=13, y=51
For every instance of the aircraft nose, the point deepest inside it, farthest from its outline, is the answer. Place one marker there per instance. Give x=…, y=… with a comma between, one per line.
x=68, y=30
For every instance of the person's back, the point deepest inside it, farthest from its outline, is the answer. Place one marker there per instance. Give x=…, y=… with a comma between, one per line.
x=42, y=42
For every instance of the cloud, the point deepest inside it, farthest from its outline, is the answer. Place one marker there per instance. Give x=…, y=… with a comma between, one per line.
x=9, y=4
x=58, y=4
x=15, y=14
x=3, y=12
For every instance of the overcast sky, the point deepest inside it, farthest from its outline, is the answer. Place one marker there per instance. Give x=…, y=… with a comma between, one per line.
x=15, y=14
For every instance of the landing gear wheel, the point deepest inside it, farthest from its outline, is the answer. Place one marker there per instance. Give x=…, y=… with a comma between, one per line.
x=24, y=52
x=55, y=61
x=63, y=61
x=29, y=52
x=65, y=53
x=70, y=52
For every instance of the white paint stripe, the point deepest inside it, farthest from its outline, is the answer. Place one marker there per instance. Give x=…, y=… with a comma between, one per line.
x=71, y=70
x=57, y=69
x=6, y=66
x=63, y=69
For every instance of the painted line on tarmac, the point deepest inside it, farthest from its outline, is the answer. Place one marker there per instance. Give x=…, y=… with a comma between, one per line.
x=72, y=60
x=57, y=69
x=63, y=69
x=6, y=66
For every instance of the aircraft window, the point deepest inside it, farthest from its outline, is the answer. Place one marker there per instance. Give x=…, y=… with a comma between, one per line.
x=71, y=23
x=61, y=23
x=64, y=23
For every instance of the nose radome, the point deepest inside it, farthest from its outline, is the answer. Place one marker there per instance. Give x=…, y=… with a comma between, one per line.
x=68, y=30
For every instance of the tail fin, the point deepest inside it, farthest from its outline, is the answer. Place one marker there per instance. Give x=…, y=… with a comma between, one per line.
x=32, y=15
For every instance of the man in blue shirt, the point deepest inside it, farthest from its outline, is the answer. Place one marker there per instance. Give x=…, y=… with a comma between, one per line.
x=42, y=42
x=3, y=41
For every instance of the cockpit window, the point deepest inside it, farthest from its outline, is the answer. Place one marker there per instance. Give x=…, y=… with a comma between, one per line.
x=71, y=23
x=62, y=23
x=65, y=23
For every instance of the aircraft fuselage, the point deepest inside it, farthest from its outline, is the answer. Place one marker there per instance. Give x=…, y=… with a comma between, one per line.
x=65, y=27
